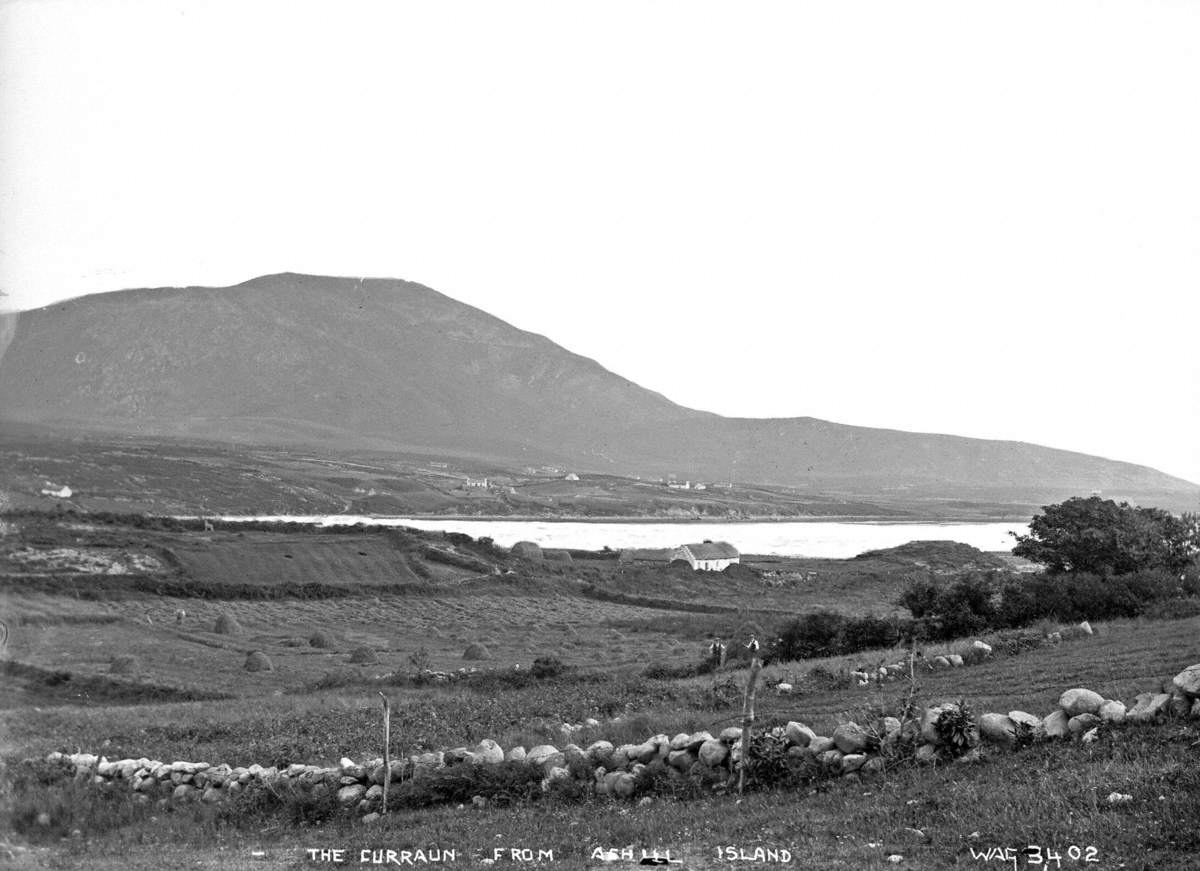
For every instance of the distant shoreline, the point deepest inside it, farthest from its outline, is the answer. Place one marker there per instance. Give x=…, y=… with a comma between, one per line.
x=714, y=521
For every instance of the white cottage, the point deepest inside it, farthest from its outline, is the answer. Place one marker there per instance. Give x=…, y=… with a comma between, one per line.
x=709, y=556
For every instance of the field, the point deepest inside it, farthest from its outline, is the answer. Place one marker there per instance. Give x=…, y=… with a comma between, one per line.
x=79, y=594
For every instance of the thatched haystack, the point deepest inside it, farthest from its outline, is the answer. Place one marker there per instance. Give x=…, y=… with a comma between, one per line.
x=227, y=624
x=322, y=640
x=476, y=651
x=527, y=550
x=256, y=660
x=364, y=656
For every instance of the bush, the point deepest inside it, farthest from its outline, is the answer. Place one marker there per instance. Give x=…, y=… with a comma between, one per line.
x=547, y=666
x=956, y=729
x=826, y=633
x=503, y=783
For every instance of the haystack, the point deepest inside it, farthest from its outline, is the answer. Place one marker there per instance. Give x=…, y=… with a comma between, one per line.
x=476, y=651
x=557, y=555
x=256, y=660
x=363, y=656
x=527, y=550
x=227, y=625
x=322, y=639
x=124, y=663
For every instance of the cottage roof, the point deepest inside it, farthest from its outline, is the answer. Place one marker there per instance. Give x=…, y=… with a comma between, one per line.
x=713, y=550
x=646, y=554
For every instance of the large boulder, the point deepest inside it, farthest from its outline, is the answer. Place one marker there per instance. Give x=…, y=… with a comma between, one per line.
x=1081, y=723
x=1148, y=706
x=853, y=762
x=644, y=753
x=488, y=752
x=1026, y=722
x=623, y=786
x=1112, y=711
x=998, y=729
x=1080, y=701
x=820, y=744
x=731, y=735
x=850, y=738
x=1179, y=705
x=799, y=734
x=545, y=756
x=599, y=752
x=515, y=754
x=1054, y=725
x=831, y=759
x=929, y=719
x=713, y=753
x=424, y=763
x=682, y=759
x=1188, y=681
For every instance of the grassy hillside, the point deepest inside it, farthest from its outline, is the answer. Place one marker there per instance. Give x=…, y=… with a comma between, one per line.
x=187, y=696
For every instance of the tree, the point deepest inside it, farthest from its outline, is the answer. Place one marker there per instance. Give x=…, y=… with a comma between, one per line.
x=1100, y=536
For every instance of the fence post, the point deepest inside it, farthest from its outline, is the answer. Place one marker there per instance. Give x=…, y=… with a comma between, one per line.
x=387, y=748
x=748, y=720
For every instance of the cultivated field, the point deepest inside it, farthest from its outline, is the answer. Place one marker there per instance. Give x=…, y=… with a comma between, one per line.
x=421, y=600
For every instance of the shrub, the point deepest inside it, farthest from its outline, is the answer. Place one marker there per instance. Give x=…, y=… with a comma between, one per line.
x=364, y=656
x=547, y=666
x=322, y=640
x=124, y=663
x=503, y=783
x=956, y=728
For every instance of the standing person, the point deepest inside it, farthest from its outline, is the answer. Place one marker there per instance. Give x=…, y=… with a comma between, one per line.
x=752, y=646
x=716, y=652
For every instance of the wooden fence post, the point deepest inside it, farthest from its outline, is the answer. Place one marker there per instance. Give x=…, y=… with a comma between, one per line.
x=387, y=748
x=748, y=720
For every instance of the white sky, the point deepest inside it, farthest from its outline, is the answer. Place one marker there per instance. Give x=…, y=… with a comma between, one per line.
x=964, y=217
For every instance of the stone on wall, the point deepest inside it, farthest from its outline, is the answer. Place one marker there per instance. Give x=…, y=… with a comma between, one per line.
x=1080, y=701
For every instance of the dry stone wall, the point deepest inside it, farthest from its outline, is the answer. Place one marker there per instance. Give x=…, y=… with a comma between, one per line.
x=944, y=732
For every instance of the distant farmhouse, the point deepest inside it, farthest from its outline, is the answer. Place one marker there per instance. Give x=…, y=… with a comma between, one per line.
x=707, y=556
x=710, y=556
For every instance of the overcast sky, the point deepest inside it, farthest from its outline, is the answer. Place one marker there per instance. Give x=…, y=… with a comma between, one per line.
x=961, y=217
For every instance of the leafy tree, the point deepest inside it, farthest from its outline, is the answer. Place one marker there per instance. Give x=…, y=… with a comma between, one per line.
x=1105, y=538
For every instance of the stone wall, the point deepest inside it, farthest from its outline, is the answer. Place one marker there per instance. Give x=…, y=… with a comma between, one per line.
x=944, y=732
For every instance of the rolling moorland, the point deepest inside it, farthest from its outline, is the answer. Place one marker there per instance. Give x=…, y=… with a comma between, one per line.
x=379, y=365
x=101, y=658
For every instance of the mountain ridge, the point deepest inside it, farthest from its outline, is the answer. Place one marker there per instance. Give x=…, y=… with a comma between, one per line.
x=372, y=363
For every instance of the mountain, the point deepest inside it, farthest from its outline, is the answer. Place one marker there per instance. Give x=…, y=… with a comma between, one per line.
x=391, y=365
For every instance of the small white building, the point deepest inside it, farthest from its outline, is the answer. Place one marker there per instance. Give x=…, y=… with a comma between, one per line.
x=571, y=476
x=476, y=483
x=709, y=556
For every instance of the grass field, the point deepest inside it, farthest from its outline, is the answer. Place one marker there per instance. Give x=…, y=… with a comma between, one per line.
x=57, y=693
